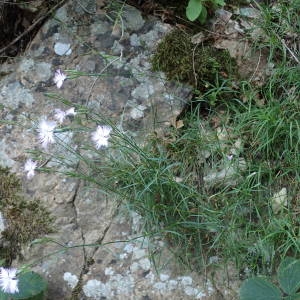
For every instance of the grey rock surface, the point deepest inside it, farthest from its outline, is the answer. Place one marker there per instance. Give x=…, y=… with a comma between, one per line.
x=129, y=93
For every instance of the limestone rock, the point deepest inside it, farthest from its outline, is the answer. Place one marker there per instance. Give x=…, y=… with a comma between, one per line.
x=131, y=92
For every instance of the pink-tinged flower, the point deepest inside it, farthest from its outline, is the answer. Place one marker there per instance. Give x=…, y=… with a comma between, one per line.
x=46, y=132
x=8, y=280
x=30, y=167
x=71, y=112
x=230, y=156
x=59, y=115
x=101, y=136
x=59, y=78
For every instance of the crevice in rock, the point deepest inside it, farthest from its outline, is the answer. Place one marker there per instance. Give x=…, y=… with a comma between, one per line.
x=74, y=199
x=77, y=289
x=89, y=260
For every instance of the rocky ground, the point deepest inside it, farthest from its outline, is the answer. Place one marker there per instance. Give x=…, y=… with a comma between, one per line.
x=128, y=92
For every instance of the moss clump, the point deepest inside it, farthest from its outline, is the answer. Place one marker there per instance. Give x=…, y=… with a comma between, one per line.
x=25, y=219
x=183, y=61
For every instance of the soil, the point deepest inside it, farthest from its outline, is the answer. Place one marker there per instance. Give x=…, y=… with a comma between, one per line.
x=20, y=22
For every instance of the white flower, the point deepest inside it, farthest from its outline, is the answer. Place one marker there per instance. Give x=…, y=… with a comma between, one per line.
x=71, y=112
x=59, y=78
x=59, y=115
x=8, y=280
x=45, y=130
x=101, y=136
x=30, y=167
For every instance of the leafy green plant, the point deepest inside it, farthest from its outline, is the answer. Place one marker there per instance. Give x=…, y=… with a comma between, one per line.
x=196, y=9
x=289, y=281
x=30, y=286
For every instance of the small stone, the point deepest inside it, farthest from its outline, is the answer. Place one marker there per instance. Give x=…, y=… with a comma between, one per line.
x=223, y=15
x=2, y=223
x=129, y=248
x=249, y=12
x=178, y=179
x=228, y=174
x=172, y=284
x=62, y=49
x=42, y=71
x=117, y=48
x=200, y=295
x=109, y=271
x=270, y=69
x=164, y=277
x=62, y=14
x=99, y=28
x=134, y=267
x=186, y=280
x=190, y=291
x=213, y=259
x=150, y=277
x=161, y=286
x=279, y=200
x=237, y=147
x=145, y=264
x=134, y=40
x=139, y=253
x=137, y=112
x=132, y=19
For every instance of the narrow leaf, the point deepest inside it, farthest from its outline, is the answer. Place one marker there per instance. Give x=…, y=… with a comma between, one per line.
x=292, y=297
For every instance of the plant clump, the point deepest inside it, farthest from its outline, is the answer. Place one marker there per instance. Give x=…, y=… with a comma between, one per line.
x=183, y=61
x=25, y=219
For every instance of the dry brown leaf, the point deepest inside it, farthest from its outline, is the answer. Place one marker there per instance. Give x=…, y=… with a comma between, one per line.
x=179, y=124
x=199, y=38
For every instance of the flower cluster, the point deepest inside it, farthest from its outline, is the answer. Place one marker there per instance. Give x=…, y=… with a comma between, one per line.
x=46, y=129
x=8, y=280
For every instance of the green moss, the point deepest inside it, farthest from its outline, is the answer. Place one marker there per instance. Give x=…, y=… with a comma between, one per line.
x=196, y=65
x=25, y=219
